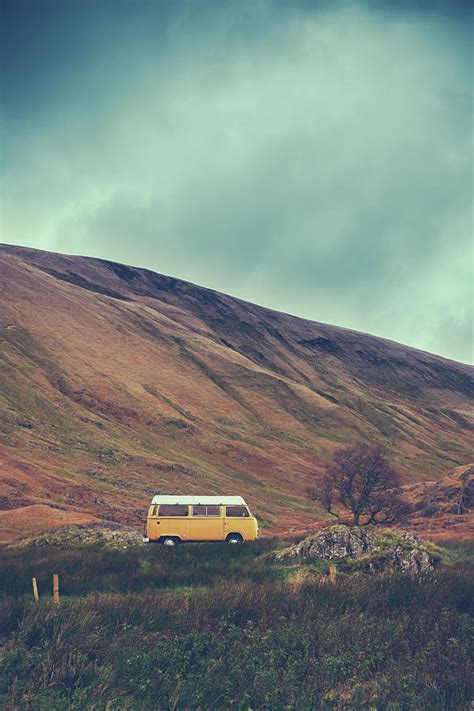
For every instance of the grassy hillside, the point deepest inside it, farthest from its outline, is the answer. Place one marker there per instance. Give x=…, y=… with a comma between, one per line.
x=117, y=383
x=213, y=627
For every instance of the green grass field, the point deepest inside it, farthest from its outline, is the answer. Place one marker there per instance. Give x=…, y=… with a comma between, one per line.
x=227, y=627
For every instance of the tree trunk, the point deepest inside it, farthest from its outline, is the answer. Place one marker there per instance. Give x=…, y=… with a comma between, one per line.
x=356, y=518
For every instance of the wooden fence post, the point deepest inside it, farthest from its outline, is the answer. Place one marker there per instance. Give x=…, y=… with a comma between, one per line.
x=35, y=589
x=56, y=587
x=332, y=573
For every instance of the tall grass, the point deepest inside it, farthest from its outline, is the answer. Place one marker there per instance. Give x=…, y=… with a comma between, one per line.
x=214, y=627
x=87, y=569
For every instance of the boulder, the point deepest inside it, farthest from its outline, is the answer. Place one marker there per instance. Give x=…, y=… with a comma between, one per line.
x=417, y=560
x=376, y=551
x=332, y=543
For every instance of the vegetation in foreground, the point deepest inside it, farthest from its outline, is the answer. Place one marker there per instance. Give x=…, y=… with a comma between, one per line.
x=222, y=627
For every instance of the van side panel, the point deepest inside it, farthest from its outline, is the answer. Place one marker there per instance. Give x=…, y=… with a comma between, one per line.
x=174, y=526
x=207, y=528
x=150, y=528
x=247, y=527
x=159, y=526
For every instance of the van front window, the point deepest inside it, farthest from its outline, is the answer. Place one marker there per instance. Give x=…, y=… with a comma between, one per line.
x=240, y=511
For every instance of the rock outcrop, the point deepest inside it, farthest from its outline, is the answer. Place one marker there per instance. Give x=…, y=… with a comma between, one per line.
x=411, y=556
x=454, y=494
x=333, y=543
x=87, y=535
x=373, y=550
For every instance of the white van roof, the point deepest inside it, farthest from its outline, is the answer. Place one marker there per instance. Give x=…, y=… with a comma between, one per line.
x=196, y=500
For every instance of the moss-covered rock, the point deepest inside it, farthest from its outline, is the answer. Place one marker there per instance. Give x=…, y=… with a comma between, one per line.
x=333, y=543
x=366, y=549
x=87, y=535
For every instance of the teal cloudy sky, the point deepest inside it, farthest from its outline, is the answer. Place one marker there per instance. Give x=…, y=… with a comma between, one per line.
x=314, y=157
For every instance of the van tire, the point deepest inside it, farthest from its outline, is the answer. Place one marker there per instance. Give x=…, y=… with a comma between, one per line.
x=234, y=538
x=169, y=541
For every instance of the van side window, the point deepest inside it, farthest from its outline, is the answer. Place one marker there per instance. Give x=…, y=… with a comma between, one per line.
x=206, y=510
x=173, y=510
x=241, y=511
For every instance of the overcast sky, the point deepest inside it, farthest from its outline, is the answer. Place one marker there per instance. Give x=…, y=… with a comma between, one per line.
x=314, y=157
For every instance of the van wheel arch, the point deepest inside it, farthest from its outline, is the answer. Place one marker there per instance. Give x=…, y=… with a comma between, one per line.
x=234, y=538
x=169, y=540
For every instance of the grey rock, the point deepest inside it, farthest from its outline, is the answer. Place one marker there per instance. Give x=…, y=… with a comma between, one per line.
x=417, y=560
x=378, y=552
x=333, y=543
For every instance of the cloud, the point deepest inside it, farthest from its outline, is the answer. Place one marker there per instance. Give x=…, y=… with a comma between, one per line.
x=313, y=159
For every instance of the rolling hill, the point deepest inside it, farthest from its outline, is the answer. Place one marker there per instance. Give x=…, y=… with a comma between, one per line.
x=117, y=383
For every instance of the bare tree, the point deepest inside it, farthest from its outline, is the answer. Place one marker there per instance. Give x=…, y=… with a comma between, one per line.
x=388, y=507
x=362, y=480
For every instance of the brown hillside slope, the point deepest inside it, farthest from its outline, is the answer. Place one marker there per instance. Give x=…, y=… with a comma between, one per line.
x=444, y=508
x=117, y=383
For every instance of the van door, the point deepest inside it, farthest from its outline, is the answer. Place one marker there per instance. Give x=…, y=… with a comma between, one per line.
x=173, y=520
x=238, y=520
x=207, y=523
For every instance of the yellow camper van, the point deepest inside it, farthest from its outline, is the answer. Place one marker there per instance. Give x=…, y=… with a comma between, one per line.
x=177, y=519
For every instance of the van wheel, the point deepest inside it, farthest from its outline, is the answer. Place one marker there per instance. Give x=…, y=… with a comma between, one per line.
x=234, y=538
x=169, y=541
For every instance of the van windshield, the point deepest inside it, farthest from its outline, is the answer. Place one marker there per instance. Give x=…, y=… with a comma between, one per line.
x=172, y=510
x=241, y=511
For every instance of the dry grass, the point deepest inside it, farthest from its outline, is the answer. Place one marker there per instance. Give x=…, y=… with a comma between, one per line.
x=118, y=383
x=211, y=627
